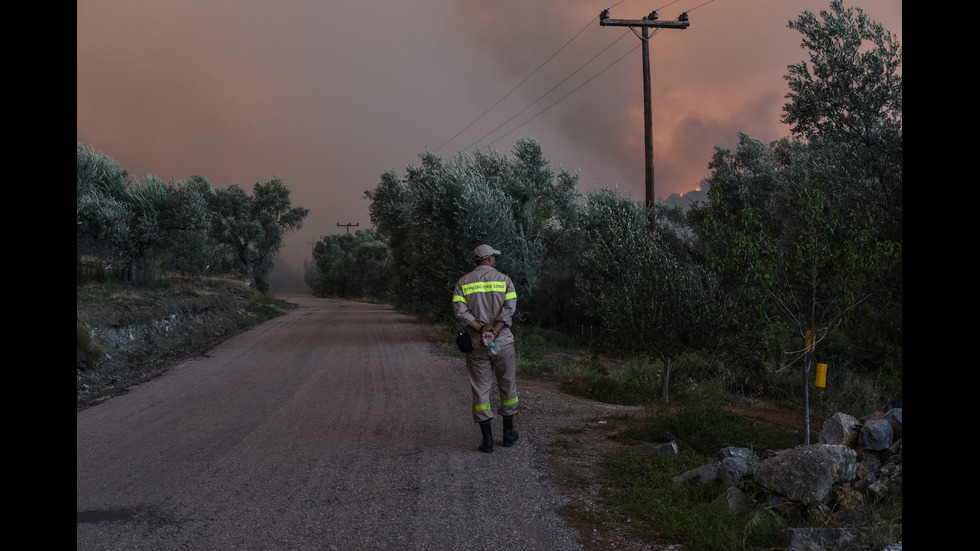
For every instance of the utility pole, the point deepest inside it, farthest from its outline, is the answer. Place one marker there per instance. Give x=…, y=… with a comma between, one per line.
x=348, y=225
x=650, y=21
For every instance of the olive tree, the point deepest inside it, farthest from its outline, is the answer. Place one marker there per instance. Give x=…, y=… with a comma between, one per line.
x=807, y=229
x=253, y=226
x=811, y=273
x=352, y=266
x=649, y=300
x=135, y=221
x=848, y=98
x=545, y=206
x=333, y=255
x=454, y=207
x=192, y=247
x=443, y=209
x=101, y=213
x=371, y=268
x=388, y=208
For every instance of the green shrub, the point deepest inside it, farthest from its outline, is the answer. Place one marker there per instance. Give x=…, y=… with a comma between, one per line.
x=264, y=306
x=689, y=514
x=706, y=429
x=609, y=390
x=89, y=353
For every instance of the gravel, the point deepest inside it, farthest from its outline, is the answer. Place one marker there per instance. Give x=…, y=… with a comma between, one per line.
x=336, y=426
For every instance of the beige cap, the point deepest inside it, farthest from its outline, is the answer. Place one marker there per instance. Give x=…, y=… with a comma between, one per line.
x=484, y=251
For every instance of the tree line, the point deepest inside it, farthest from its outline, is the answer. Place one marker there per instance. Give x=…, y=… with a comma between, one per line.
x=146, y=224
x=797, y=247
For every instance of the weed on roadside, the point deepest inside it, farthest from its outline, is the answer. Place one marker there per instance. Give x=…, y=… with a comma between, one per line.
x=660, y=510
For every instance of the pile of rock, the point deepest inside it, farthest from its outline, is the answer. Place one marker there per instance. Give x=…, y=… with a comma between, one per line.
x=854, y=461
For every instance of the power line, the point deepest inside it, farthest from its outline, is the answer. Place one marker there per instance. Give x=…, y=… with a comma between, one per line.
x=482, y=115
x=587, y=25
x=559, y=100
x=579, y=86
x=512, y=89
x=548, y=60
x=548, y=92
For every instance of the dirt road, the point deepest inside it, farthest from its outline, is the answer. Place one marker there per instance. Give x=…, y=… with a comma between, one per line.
x=336, y=426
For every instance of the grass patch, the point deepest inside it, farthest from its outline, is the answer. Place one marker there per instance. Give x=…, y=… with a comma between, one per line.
x=705, y=429
x=588, y=515
x=630, y=381
x=689, y=514
x=568, y=446
x=574, y=479
x=268, y=300
x=609, y=390
x=263, y=307
x=570, y=430
x=642, y=487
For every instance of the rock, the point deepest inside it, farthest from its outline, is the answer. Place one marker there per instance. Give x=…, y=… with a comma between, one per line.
x=732, y=498
x=892, y=450
x=876, y=434
x=734, y=465
x=879, y=487
x=841, y=429
x=731, y=470
x=705, y=474
x=742, y=453
x=895, y=416
x=833, y=480
x=807, y=474
x=869, y=462
x=810, y=539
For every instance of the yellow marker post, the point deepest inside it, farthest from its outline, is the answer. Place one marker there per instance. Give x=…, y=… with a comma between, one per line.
x=821, y=380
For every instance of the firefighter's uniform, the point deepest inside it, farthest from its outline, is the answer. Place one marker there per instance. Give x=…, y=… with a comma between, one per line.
x=487, y=296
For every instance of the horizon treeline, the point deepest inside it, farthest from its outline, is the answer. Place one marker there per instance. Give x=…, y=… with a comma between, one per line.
x=146, y=226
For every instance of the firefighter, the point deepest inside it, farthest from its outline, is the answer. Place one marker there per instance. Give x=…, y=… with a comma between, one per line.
x=484, y=301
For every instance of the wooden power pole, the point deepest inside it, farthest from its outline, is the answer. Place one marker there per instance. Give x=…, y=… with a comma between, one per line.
x=650, y=21
x=349, y=225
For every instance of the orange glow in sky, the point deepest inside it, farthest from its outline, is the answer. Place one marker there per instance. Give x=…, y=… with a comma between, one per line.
x=329, y=96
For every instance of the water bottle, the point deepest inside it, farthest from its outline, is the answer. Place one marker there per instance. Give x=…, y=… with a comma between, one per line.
x=487, y=340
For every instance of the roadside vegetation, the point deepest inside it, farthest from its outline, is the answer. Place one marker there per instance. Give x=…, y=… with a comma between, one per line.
x=264, y=307
x=140, y=230
x=639, y=490
x=128, y=334
x=793, y=259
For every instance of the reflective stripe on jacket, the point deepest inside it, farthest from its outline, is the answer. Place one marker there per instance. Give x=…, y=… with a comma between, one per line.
x=487, y=296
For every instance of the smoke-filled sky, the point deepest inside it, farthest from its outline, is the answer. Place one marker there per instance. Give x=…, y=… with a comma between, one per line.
x=328, y=95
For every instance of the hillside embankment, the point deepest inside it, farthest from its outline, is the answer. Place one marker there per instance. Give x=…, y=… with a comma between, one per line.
x=127, y=337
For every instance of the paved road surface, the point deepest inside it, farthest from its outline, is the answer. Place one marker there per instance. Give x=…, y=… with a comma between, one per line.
x=336, y=426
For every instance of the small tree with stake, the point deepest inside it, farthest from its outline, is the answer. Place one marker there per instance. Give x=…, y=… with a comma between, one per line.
x=812, y=225
x=813, y=273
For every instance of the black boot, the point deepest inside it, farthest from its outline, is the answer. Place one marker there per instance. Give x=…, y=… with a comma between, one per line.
x=510, y=435
x=487, y=429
